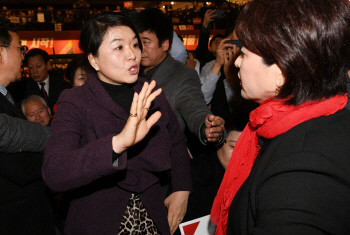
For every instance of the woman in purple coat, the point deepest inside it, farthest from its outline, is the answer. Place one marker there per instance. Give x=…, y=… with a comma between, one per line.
x=112, y=137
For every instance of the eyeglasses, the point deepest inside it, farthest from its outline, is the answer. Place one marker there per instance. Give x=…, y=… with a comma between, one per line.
x=23, y=49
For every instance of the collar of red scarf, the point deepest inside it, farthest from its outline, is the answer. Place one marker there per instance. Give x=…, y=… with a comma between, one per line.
x=270, y=119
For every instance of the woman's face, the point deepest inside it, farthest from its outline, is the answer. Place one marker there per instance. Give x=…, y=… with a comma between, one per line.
x=119, y=56
x=258, y=81
x=225, y=152
x=79, y=77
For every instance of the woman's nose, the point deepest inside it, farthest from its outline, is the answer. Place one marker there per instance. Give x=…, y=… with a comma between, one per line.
x=238, y=61
x=131, y=54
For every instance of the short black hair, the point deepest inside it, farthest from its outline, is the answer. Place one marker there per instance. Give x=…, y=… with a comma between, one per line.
x=215, y=37
x=73, y=65
x=94, y=30
x=36, y=51
x=5, y=28
x=153, y=20
x=307, y=39
x=236, y=121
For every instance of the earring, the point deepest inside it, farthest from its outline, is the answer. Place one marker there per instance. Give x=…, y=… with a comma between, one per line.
x=277, y=91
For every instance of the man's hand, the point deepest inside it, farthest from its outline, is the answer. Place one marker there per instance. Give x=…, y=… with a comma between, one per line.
x=230, y=70
x=177, y=206
x=214, y=127
x=208, y=17
x=221, y=57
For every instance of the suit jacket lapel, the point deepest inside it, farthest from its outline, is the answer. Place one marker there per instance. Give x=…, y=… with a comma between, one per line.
x=33, y=88
x=52, y=90
x=10, y=108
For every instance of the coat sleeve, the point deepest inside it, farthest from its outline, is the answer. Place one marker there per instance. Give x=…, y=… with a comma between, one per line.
x=18, y=135
x=208, y=81
x=202, y=51
x=303, y=193
x=178, y=51
x=67, y=163
x=190, y=101
x=180, y=165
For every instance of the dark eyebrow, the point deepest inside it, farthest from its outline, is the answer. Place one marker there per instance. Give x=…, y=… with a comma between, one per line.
x=120, y=39
x=116, y=39
x=145, y=38
x=135, y=38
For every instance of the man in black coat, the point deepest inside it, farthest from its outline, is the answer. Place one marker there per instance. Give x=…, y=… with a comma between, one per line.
x=40, y=82
x=25, y=207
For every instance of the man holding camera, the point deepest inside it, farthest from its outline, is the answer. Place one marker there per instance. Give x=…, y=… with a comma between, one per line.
x=203, y=54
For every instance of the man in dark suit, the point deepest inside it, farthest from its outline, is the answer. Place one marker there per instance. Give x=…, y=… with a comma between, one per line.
x=179, y=82
x=24, y=205
x=40, y=82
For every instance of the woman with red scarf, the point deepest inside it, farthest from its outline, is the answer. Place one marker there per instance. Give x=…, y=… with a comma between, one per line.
x=290, y=170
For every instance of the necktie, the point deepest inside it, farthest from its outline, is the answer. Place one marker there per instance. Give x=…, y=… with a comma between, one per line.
x=44, y=92
x=9, y=98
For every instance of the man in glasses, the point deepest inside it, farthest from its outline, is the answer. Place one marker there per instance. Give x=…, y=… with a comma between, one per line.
x=25, y=207
x=40, y=83
x=23, y=49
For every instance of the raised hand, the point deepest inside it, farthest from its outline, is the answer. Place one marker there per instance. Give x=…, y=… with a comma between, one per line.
x=230, y=70
x=223, y=55
x=208, y=17
x=137, y=127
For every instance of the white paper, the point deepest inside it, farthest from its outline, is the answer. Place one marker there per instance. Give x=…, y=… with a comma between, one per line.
x=200, y=226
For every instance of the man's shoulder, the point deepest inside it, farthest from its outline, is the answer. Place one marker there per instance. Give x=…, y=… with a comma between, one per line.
x=177, y=68
x=24, y=82
x=171, y=61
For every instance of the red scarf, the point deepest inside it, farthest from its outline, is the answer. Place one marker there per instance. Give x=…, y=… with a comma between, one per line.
x=270, y=119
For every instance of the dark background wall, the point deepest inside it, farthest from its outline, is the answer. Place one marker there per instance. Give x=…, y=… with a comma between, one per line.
x=62, y=4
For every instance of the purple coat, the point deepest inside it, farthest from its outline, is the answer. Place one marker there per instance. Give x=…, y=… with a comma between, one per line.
x=78, y=157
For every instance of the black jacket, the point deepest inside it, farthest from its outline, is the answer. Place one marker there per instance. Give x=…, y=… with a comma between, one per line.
x=27, y=87
x=25, y=207
x=299, y=184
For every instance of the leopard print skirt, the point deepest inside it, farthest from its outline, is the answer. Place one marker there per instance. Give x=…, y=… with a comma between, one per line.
x=136, y=220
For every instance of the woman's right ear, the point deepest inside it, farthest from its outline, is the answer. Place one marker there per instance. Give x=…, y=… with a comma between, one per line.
x=93, y=61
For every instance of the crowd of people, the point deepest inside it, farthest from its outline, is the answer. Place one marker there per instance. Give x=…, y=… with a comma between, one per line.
x=81, y=11
x=140, y=136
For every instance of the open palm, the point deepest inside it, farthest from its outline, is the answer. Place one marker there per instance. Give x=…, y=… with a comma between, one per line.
x=137, y=127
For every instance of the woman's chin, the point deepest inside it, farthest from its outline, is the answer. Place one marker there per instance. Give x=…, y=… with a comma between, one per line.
x=133, y=79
